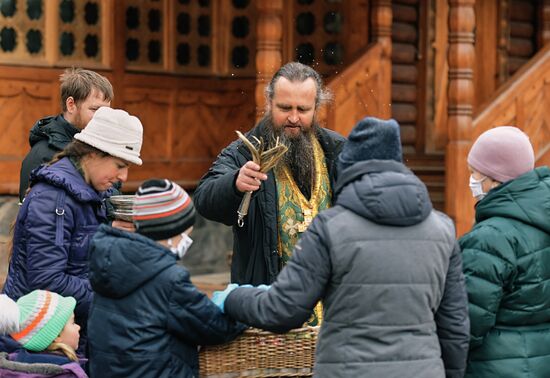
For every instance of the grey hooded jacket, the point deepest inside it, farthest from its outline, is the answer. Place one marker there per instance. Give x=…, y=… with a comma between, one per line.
x=389, y=273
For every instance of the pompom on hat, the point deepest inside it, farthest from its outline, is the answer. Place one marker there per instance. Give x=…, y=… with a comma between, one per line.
x=162, y=209
x=503, y=153
x=42, y=316
x=372, y=138
x=114, y=132
x=9, y=315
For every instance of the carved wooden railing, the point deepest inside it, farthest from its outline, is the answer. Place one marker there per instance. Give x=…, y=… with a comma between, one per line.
x=362, y=89
x=524, y=102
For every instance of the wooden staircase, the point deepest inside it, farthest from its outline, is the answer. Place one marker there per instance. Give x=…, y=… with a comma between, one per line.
x=431, y=170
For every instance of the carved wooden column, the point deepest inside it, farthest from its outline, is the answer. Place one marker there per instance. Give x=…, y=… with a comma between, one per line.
x=269, y=32
x=381, y=30
x=545, y=33
x=461, y=57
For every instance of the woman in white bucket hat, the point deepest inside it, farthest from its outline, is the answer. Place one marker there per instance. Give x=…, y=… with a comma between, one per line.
x=64, y=207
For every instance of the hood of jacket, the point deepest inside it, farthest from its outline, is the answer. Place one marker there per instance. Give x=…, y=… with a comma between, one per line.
x=526, y=199
x=63, y=174
x=55, y=130
x=122, y=262
x=384, y=192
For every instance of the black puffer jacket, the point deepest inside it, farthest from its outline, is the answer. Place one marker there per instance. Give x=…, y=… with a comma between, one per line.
x=255, y=257
x=389, y=273
x=48, y=136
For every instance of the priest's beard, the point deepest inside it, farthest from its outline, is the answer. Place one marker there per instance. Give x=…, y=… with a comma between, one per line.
x=299, y=157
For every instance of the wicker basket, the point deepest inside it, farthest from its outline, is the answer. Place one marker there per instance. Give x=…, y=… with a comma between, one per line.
x=264, y=354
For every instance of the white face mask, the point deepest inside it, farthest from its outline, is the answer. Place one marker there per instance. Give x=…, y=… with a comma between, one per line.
x=477, y=188
x=181, y=249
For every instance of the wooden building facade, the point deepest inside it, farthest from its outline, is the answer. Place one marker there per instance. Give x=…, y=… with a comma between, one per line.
x=194, y=72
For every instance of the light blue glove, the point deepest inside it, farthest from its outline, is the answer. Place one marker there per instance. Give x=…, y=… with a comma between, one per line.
x=262, y=286
x=218, y=297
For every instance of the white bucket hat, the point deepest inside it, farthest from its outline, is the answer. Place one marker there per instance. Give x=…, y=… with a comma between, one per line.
x=115, y=132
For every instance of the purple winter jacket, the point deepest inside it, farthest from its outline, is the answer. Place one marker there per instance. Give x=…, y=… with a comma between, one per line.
x=53, y=230
x=10, y=367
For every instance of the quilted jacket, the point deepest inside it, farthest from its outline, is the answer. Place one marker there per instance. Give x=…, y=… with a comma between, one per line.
x=507, y=267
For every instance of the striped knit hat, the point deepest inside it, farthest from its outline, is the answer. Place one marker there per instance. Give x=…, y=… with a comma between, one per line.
x=42, y=317
x=162, y=209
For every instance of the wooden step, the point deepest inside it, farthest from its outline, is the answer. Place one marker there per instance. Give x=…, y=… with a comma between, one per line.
x=431, y=170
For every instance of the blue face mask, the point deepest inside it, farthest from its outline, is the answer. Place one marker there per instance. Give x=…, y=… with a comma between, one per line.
x=181, y=249
x=477, y=188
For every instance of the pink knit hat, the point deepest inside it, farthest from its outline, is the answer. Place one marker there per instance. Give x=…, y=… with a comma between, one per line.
x=502, y=153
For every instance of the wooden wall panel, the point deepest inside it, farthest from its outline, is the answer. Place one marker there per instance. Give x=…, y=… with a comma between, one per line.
x=22, y=103
x=187, y=121
x=438, y=76
x=209, y=122
x=519, y=29
x=406, y=91
x=152, y=107
x=185, y=129
x=522, y=40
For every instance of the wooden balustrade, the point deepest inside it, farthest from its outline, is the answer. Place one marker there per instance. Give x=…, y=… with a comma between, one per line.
x=524, y=101
x=361, y=89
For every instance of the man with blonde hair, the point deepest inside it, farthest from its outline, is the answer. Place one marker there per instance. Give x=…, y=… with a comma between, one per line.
x=82, y=93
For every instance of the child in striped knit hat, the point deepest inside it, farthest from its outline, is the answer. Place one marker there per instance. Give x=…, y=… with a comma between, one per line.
x=43, y=323
x=147, y=318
